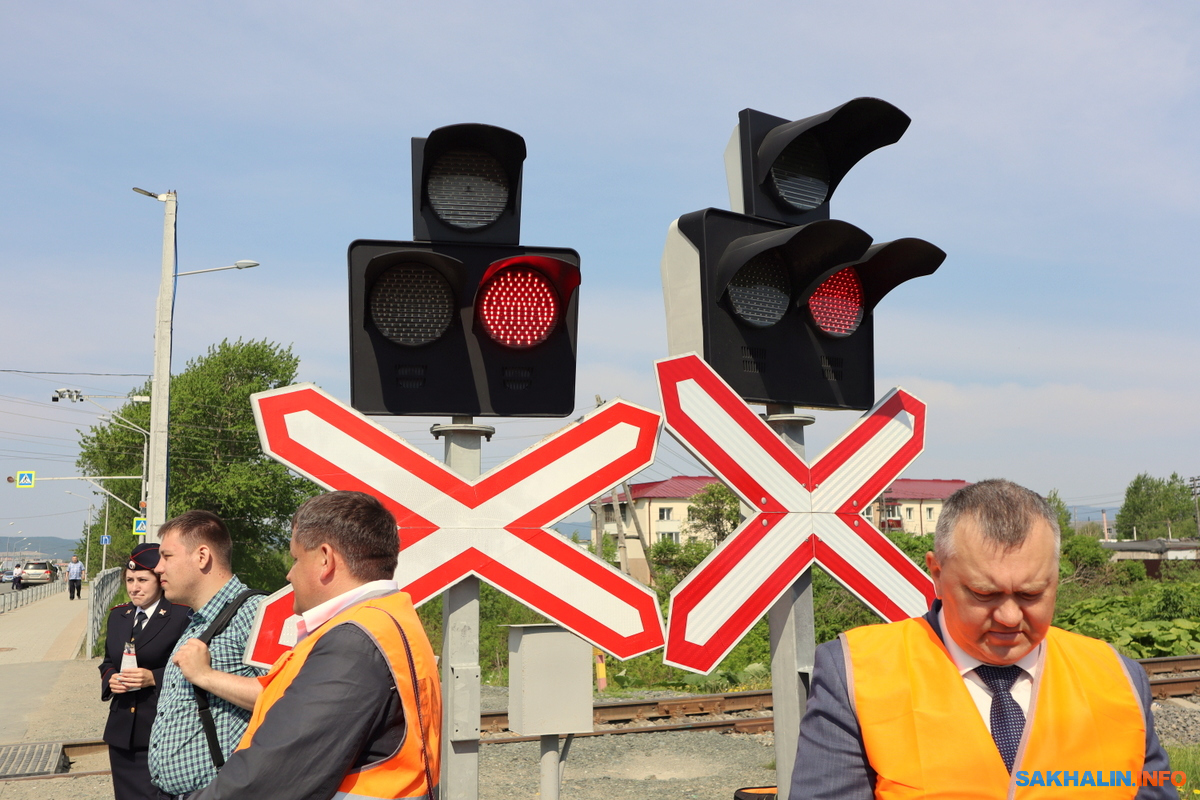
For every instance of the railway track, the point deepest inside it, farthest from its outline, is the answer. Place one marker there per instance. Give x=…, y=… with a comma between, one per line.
x=741, y=712
x=641, y=716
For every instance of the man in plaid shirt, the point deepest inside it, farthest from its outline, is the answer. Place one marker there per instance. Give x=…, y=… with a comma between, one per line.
x=195, y=569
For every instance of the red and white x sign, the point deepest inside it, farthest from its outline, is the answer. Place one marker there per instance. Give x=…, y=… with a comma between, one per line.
x=493, y=527
x=803, y=513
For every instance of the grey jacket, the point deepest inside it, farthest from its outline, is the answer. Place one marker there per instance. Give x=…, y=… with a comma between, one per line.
x=342, y=712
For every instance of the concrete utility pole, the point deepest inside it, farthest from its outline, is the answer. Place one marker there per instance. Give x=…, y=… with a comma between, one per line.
x=1194, y=483
x=160, y=392
x=622, y=552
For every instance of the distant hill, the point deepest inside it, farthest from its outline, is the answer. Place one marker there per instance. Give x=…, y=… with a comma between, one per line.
x=48, y=546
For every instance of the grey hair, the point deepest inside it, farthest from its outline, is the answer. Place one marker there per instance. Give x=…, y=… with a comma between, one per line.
x=1004, y=511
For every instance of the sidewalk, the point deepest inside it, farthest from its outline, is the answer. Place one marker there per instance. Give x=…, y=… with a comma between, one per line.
x=50, y=694
x=37, y=642
x=45, y=630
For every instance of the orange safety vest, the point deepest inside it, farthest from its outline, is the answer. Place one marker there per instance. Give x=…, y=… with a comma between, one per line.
x=925, y=738
x=392, y=622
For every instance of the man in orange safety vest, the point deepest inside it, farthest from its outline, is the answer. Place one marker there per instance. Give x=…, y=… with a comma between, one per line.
x=354, y=709
x=981, y=698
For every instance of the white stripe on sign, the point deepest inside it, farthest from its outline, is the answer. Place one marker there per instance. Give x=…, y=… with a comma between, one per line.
x=391, y=479
x=845, y=541
x=552, y=575
x=741, y=448
x=866, y=461
x=559, y=477
x=746, y=577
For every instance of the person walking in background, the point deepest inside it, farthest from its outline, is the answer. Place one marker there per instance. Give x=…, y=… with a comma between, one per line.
x=146, y=628
x=354, y=710
x=195, y=567
x=17, y=573
x=75, y=577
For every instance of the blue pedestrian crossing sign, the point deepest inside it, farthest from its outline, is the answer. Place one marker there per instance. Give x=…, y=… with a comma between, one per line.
x=139, y=526
x=26, y=479
x=106, y=539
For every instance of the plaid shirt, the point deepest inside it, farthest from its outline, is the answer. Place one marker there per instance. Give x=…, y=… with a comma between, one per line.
x=179, y=758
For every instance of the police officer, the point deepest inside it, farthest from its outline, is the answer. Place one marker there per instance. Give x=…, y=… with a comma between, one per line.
x=148, y=626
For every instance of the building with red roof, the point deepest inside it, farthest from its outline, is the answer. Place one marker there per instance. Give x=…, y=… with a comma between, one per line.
x=914, y=505
x=659, y=510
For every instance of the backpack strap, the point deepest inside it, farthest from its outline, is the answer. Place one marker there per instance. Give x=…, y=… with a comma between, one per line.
x=416, y=685
x=213, y=630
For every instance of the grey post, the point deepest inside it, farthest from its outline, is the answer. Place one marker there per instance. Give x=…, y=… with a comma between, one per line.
x=793, y=634
x=460, y=637
x=160, y=393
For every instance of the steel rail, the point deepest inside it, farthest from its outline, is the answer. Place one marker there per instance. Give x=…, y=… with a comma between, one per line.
x=674, y=708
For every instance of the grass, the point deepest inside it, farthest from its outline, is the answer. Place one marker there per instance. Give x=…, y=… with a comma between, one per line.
x=1186, y=759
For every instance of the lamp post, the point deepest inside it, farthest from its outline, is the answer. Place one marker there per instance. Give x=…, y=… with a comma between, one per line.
x=76, y=396
x=160, y=394
x=120, y=421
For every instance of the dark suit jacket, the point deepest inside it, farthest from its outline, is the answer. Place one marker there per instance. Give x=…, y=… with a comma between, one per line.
x=341, y=713
x=131, y=714
x=831, y=762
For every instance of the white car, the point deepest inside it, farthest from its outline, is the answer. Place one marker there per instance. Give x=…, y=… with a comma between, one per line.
x=38, y=572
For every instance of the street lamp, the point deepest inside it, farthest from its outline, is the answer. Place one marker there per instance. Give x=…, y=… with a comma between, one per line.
x=118, y=420
x=160, y=395
x=76, y=396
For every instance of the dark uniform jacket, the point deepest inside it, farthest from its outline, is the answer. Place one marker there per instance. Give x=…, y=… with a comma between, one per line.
x=131, y=714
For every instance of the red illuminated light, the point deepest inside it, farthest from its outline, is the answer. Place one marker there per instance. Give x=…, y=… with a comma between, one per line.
x=518, y=307
x=837, y=304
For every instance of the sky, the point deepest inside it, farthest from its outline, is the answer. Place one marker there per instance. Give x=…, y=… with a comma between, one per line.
x=1052, y=155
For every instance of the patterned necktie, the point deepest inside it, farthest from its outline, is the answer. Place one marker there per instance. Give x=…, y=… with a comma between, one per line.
x=1008, y=721
x=138, y=624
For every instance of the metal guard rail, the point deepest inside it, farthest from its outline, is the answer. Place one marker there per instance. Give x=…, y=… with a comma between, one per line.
x=13, y=599
x=104, y=589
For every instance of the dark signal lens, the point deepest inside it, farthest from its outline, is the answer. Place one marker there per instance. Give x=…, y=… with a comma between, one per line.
x=761, y=290
x=467, y=188
x=800, y=175
x=518, y=307
x=837, y=304
x=412, y=304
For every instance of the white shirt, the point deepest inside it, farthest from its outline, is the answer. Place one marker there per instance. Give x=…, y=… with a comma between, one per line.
x=148, y=610
x=318, y=615
x=1022, y=688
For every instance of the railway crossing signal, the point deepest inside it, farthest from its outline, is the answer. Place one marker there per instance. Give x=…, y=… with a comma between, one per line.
x=775, y=295
x=464, y=321
x=494, y=527
x=803, y=512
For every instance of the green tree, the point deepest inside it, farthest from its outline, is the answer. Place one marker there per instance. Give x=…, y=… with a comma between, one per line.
x=714, y=513
x=1061, y=512
x=217, y=462
x=672, y=562
x=1085, y=554
x=1156, y=508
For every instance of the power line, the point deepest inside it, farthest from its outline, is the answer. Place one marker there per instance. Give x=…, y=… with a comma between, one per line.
x=91, y=374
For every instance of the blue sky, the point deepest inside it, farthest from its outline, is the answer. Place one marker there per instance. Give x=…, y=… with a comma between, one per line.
x=1052, y=155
